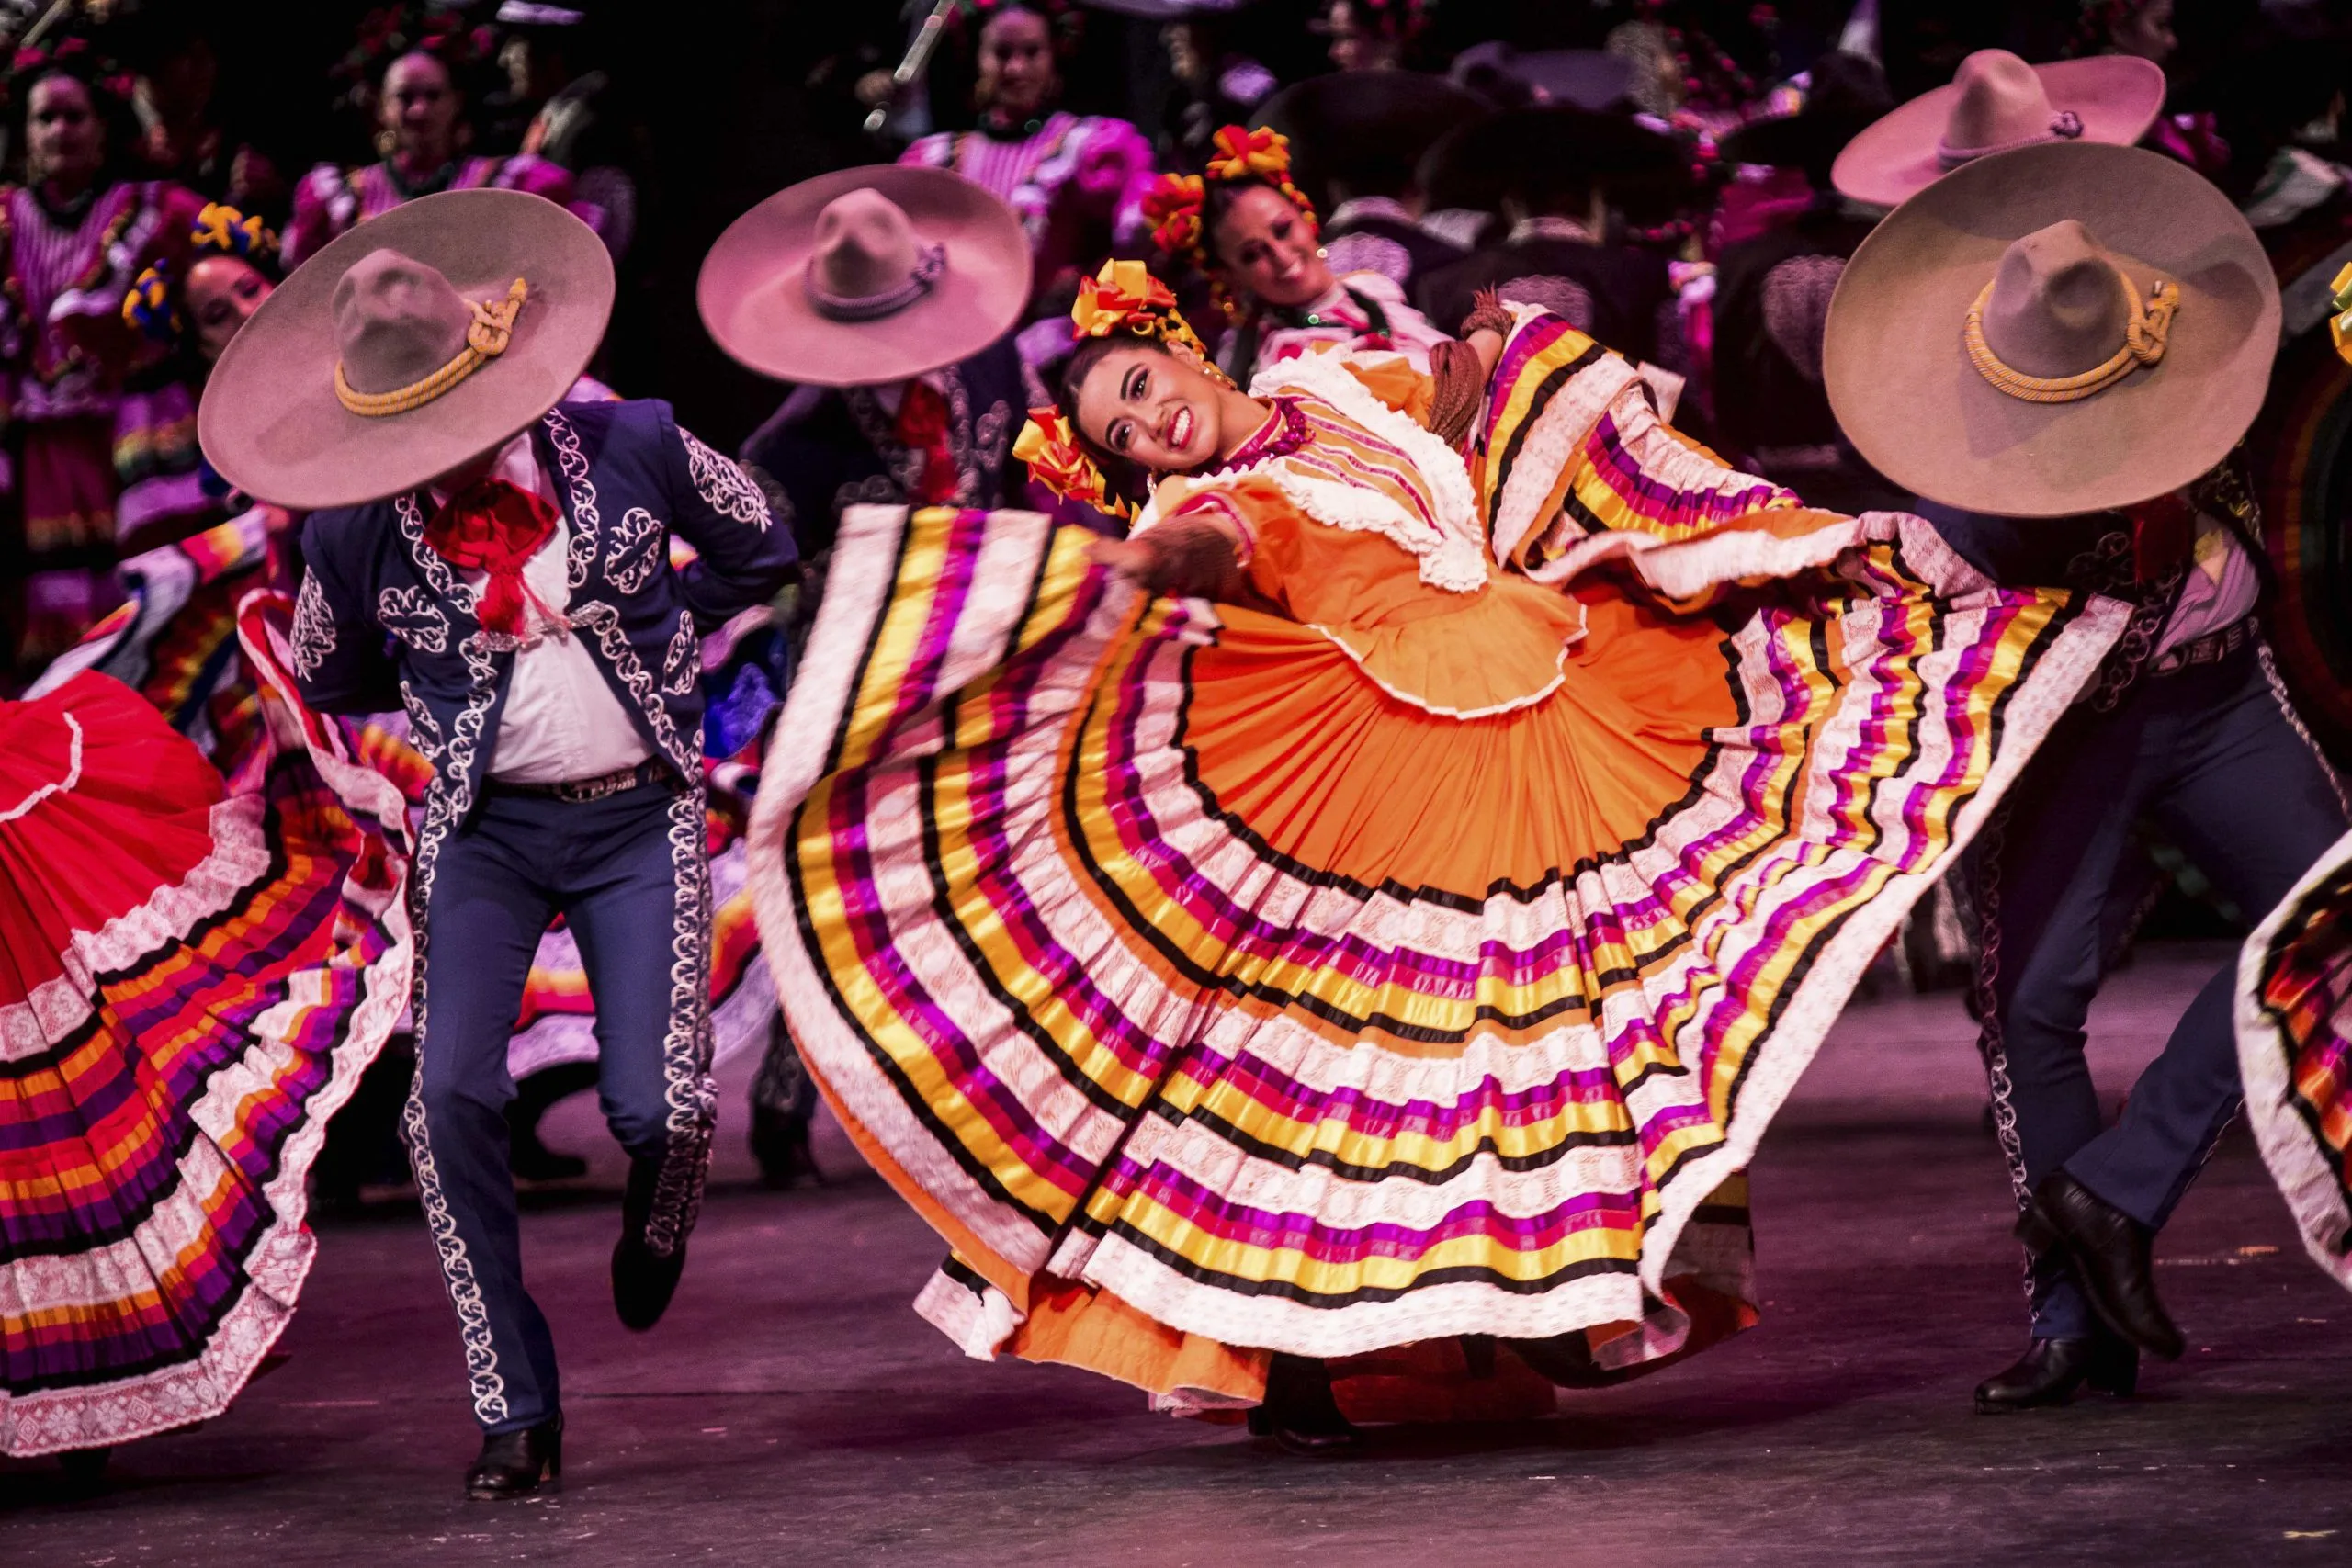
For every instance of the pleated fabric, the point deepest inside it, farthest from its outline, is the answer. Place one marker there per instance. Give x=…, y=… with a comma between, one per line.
x=2294, y=1026
x=1211, y=1000
x=191, y=983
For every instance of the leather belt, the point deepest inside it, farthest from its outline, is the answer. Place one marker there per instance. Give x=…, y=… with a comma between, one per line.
x=2210, y=649
x=651, y=770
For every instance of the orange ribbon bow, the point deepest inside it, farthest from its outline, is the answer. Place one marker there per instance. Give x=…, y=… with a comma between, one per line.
x=1265, y=154
x=1047, y=444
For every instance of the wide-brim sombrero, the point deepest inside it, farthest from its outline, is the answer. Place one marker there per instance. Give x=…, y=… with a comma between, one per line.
x=754, y=290
x=2116, y=97
x=270, y=422
x=1908, y=397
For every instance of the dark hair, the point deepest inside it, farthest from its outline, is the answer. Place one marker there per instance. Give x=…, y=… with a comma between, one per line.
x=117, y=125
x=1121, y=475
x=1218, y=199
x=449, y=68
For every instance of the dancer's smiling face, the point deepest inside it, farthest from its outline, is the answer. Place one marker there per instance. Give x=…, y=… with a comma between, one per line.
x=1269, y=247
x=1152, y=408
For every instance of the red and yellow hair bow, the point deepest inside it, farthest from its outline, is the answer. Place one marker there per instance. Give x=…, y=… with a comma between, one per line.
x=1057, y=461
x=1175, y=204
x=1122, y=298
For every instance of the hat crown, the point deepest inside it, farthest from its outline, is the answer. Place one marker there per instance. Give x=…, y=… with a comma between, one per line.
x=2001, y=101
x=396, y=322
x=867, y=246
x=2058, y=306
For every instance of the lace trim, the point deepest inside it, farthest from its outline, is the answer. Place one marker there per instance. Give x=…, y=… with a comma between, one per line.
x=1493, y=710
x=1453, y=555
x=55, y=786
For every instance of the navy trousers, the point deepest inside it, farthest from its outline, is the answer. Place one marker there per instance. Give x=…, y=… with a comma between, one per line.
x=630, y=873
x=2213, y=755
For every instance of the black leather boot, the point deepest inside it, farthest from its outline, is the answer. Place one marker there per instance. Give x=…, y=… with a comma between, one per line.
x=2051, y=1369
x=2110, y=1256
x=515, y=1465
x=780, y=1143
x=1566, y=1360
x=1299, y=1413
x=643, y=1280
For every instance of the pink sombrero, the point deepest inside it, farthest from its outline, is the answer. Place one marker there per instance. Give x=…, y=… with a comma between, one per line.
x=1997, y=104
x=865, y=275
x=2058, y=330
x=417, y=340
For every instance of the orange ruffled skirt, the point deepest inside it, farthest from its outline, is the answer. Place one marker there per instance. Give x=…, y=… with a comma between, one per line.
x=1212, y=1001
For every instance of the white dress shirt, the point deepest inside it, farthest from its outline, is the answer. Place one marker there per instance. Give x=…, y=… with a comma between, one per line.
x=562, y=720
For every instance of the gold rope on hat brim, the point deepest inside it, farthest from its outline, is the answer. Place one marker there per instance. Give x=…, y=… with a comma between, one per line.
x=2144, y=343
x=487, y=336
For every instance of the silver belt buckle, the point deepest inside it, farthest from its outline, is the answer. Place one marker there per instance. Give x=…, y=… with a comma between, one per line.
x=597, y=789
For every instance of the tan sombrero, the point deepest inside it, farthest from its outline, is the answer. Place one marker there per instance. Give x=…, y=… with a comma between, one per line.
x=1997, y=103
x=2060, y=329
x=440, y=356
x=865, y=275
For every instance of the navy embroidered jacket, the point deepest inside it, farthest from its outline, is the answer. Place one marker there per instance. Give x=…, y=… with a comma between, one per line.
x=382, y=622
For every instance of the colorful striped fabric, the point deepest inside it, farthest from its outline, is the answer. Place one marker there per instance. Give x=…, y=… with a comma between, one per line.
x=1570, y=450
x=1176, y=1096
x=2294, y=1023
x=174, y=640
x=164, y=1092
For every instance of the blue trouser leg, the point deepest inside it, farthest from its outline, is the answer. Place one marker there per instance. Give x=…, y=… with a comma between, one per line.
x=2251, y=804
x=485, y=907
x=2044, y=877
x=637, y=895
x=2210, y=752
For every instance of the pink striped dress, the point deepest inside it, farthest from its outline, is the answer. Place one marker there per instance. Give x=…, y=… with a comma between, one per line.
x=1077, y=182
x=331, y=199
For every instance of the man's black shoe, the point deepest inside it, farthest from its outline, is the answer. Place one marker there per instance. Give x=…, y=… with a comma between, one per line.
x=1299, y=1413
x=1566, y=1360
x=513, y=1464
x=780, y=1143
x=644, y=1283
x=2107, y=1252
x=2051, y=1371
x=643, y=1280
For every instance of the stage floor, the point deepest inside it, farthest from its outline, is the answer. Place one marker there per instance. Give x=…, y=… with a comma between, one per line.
x=792, y=1409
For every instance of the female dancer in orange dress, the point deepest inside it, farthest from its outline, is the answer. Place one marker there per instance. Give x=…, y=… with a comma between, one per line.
x=1292, y=934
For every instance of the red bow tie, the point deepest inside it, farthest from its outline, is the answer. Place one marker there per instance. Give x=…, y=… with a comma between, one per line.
x=922, y=425
x=492, y=527
x=2164, y=536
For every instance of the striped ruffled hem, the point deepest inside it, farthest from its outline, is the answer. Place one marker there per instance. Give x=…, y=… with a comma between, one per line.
x=2294, y=1032
x=1107, y=1038
x=333, y=1015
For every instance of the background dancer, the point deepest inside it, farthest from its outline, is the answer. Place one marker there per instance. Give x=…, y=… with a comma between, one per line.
x=913, y=399
x=548, y=660
x=2059, y=346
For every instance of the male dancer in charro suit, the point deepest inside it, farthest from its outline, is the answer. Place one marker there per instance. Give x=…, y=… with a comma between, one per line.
x=497, y=563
